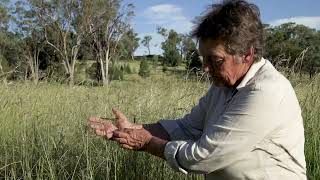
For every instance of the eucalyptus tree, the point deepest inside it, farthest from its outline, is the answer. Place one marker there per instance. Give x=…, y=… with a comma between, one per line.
x=8, y=42
x=129, y=42
x=65, y=27
x=294, y=46
x=109, y=22
x=31, y=35
x=4, y=18
x=146, y=42
x=171, y=53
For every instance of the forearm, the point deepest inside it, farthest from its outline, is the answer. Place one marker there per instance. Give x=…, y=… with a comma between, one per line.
x=159, y=139
x=156, y=147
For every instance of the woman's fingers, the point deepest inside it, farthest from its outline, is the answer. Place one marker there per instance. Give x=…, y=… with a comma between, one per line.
x=125, y=146
x=120, y=140
x=102, y=127
x=100, y=132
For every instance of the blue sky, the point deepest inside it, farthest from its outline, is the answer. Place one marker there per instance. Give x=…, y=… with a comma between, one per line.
x=179, y=14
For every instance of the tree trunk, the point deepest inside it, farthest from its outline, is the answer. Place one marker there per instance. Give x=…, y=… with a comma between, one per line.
x=36, y=66
x=3, y=73
x=71, y=77
x=33, y=62
x=106, y=74
x=101, y=75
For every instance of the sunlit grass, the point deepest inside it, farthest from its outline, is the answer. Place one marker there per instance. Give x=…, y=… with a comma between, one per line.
x=43, y=132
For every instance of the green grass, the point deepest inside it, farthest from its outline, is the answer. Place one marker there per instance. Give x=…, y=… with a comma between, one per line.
x=43, y=133
x=43, y=130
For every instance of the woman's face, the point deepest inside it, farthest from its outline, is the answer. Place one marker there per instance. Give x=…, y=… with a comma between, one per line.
x=225, y=69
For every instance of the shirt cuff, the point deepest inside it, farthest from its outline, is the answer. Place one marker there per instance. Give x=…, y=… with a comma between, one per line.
x=170, y=152
x=173, y=129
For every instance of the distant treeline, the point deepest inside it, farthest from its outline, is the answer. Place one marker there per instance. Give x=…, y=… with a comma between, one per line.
x=49, y=39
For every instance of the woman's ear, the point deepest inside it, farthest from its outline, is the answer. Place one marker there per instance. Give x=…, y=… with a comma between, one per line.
x=249, y=56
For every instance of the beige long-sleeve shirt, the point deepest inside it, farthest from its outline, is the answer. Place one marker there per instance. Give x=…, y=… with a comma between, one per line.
x=252, y=132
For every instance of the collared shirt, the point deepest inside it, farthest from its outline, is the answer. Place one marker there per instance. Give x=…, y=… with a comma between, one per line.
x=252, y=132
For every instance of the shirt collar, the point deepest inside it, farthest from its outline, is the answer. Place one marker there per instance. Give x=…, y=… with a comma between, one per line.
x=252, y=71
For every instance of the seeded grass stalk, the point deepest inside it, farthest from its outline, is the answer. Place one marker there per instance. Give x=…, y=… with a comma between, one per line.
x=308, y=93
x=43, y=131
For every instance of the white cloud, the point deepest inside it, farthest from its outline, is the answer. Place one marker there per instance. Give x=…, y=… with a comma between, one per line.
x=168, y=16
x=165, y=8
x=163, y=13
x=312, y=22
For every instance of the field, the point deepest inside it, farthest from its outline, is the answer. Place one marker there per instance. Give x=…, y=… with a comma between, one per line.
x=43, y=133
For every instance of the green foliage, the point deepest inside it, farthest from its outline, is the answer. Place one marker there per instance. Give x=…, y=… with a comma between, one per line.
x=4, y=65
x=4, y=15
x=155, y=60
x=127, y=68
x=116, y=72
x=128, y=43
x=9, y=48
x=55, y=73
x=144, y=70
x=164, y=68
x=193, y=60
x=171, y=54
x=146, y=42
x=293, y=46
x=187, y=45
x=92, y=71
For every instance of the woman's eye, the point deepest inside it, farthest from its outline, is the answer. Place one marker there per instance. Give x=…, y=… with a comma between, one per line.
x=217, y=60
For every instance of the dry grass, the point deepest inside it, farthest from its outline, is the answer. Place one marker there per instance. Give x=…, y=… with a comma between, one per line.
x=43, y=132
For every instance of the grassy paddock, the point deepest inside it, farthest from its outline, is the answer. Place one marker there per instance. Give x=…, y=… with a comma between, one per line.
x=43, y=132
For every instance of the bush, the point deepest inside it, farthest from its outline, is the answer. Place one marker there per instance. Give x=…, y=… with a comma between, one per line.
x=144, y=70
x=56, y=73
x=193, y=61
x=127, y=69
x=92, y=72
x=116, y=72
x=155, y=60
x=164, y=68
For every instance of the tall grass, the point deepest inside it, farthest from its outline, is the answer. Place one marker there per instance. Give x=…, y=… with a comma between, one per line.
x=43, y=132
x=308, y=92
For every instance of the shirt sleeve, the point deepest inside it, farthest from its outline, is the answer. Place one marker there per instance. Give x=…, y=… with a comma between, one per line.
x=248, y=118
x=191, y=125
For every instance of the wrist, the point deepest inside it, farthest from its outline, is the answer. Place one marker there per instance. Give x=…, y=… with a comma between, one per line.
x=156, y=146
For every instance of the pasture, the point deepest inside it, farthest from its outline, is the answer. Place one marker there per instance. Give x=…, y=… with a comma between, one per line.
x=43, y=132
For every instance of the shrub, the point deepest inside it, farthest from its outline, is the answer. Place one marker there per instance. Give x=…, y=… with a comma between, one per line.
x=116, y=72
x=164, y=68
x=144, y=70
x=127, y=69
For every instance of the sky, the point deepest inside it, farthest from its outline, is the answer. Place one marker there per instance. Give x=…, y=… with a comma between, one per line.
x=179, y=15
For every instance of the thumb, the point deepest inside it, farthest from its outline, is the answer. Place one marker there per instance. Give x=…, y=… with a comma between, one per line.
x=119, y=115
